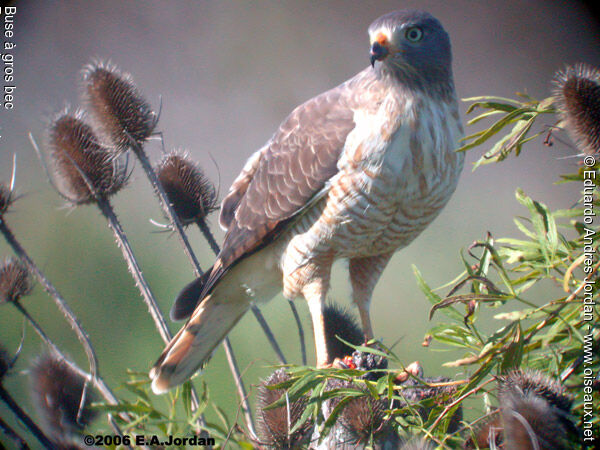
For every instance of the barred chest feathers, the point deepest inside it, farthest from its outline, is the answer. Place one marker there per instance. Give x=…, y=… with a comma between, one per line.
x=397, y=172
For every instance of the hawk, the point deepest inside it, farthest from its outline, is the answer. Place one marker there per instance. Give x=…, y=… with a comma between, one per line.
x=357, y=173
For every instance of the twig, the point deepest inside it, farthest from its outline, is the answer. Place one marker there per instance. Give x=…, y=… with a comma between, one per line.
x=300, y=331
x=23, y=417
x=134, y=268
x=265, y=326
x=240, y=387
x=164, y=201
x=58, y=299
x=8, y=431
x=208, y=235
x=449, y=406
x=97, y=381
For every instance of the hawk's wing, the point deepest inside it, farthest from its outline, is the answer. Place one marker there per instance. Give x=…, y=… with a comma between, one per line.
x=283, y=177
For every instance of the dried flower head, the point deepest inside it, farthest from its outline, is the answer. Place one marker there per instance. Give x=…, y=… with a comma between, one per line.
x=192, y=195
x=340, y=323
x=56, y=390
x=119, y=111
x=6, y=199
x=78, y=161
x=534, y=410
x=525, y=382
x=272, y=424
x=362, y=419
x=15, y=280
x=577, y=94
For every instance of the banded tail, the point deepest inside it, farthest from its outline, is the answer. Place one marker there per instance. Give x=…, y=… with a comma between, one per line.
x=194, y=344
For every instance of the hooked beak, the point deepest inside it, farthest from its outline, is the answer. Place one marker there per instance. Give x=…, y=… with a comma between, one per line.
x=378, y=52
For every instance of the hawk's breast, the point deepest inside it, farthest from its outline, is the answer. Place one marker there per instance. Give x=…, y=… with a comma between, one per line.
x=397, y=172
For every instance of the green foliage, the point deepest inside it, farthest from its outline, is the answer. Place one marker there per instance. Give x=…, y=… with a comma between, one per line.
x=520, y=114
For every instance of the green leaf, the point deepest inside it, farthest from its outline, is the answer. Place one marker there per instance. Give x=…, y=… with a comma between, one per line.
x=514, y=354
x=433, y=297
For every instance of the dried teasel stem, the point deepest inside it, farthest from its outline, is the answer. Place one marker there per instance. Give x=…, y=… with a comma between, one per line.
x=127, y=121
x=12, y=435
x=255, y=310
x=167, y=206
x=94, y=377
x=134, y=269
x=25, y=419
x=97, y=381
x=107, y=210
x=300, y=331
x=239, y=384
x=53, y=292
x=87, y=172
x=268, y=333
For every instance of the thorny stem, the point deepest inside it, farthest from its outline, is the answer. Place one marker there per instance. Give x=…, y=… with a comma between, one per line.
x=172, y=216
x=12, y=434
x=240, y=387
x=449, y=406
x=97, y=381
x=164, y=201
x=134, y=268
x=263, y=323
x=300, y=331
x=208, y=235
x=58, y=299
x=23, y=417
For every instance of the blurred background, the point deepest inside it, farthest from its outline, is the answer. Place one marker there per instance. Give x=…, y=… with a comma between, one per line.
x=228, y=73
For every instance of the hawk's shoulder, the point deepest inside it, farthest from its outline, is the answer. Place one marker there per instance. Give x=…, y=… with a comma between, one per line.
x=279, y=180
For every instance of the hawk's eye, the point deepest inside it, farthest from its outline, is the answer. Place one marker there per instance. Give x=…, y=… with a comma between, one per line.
x=414, y=34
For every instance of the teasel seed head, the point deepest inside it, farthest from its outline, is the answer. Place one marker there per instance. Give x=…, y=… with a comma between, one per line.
x=15, y=280
x=192, y=195
x=365, y=417
x=272, y=424
x=118, y=109
x=537, y=383
x=577, y=95
x=534, y=408
x=362, y=418
x=56, y=390
x=79, y=162
x=339, y=322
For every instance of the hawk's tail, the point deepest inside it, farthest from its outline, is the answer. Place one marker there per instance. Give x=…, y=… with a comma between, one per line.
x=188, y=298
x=193, y=345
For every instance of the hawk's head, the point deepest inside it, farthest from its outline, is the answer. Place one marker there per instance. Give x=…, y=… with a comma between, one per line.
x=412, y=45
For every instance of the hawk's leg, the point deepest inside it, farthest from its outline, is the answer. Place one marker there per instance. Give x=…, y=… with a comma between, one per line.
x=364, y=274
x=315, y=293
